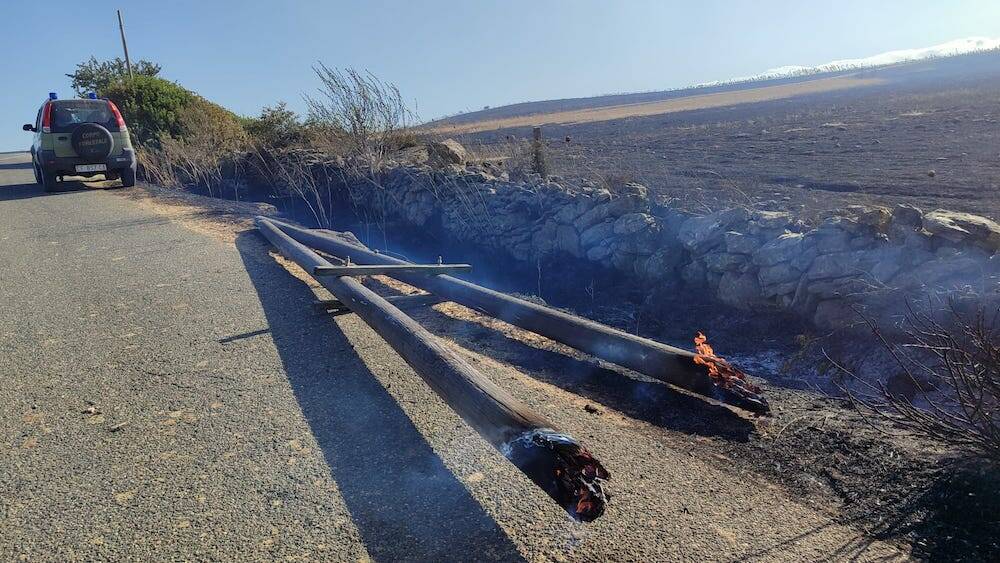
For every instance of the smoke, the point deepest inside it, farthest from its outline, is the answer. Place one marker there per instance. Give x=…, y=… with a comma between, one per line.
x=949, y=49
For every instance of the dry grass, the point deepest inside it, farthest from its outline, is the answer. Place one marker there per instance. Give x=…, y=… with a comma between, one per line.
x=694, y=102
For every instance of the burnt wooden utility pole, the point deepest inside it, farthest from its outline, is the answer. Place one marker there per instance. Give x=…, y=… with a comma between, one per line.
x=666, y=363
x=557, y=463
x=121, y=29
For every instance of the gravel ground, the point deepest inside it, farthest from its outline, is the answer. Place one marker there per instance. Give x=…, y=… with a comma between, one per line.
x=170, y=393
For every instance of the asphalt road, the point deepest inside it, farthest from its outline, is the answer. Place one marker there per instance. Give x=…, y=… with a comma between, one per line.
x=168, y=392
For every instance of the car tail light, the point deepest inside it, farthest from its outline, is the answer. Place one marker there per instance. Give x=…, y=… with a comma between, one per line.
x=118, y=115
x=47, y=118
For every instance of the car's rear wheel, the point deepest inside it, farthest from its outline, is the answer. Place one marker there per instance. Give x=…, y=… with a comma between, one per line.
x=38, y=177
x=128, y=177
x=47, y=179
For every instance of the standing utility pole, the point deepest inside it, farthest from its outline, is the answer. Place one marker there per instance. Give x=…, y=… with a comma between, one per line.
x=121, y=27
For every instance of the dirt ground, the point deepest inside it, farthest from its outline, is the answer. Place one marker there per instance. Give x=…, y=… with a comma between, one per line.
x=904, y=497
x=925, y=135
x=694, y=102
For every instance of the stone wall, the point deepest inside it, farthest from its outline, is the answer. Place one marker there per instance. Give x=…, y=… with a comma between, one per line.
x=863, y=258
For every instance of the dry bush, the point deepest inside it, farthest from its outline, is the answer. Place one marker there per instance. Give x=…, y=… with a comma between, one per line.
x=156, y=168
x=293, y=173
x=359, y=116
x=204, y=153
x=952, y=382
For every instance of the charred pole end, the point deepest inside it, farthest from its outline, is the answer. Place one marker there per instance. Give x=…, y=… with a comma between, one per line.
x=564, y=469
x=554, y=461
x=667, y=363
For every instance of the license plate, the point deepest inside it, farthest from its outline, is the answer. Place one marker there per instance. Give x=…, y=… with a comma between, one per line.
x=91, y=167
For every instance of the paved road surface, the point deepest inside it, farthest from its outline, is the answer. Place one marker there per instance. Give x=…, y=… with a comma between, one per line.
x=169, y=393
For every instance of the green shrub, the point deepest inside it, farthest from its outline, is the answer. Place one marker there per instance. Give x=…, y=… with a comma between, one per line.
x=152, y=106
x=156, y=109
x=95, y=76
x=205, y=122
x=277, y=127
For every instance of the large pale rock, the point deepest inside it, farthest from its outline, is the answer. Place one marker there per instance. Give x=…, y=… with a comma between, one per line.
x=632, y=223
x=521, y=251
x=781, y=249
x=596, y=234
x=663, y=263
x=648, y=241
x=907, y=215
x=611, y=209
x=448, y=151
x=634, y=190
x=957, y=227
x=831, y=239
x=725, y=262
x=848, y=224
x=740, y=290
x=567, y=213
x=778, y=274
x=840, y=287
x=772, y=220
x=701, y=234
x=543, y=241
x=599, y=253
x=835, y=313
x=693, y=274
x=780, y=289
x=739, y=243
x=840, y=265
x=568, y=241
x=946, y=273
x=623, y=261
x=874, y=216
x=805, y=258
x=893, y=260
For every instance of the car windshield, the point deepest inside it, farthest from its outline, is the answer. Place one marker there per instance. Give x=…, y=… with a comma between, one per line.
x=67, y=114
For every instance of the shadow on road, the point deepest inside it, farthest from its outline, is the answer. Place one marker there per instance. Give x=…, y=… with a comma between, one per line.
x=405, y=502
x=15, y=166
x=25, y=191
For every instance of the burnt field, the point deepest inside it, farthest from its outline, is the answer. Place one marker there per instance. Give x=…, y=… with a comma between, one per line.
x=927, y=134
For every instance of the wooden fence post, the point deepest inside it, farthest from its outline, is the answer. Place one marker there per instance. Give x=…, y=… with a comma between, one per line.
x=538, y=156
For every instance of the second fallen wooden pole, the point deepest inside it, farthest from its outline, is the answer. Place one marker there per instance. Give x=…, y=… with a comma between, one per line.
x=655, y=359
x=553, y=460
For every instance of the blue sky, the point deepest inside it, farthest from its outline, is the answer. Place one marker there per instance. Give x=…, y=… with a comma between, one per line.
x=447, y=56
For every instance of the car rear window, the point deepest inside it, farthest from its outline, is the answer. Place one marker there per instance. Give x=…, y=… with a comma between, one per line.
x=67, y=114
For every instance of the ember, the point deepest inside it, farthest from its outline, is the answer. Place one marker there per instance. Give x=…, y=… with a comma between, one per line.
x=733, y=383
x=564, y=469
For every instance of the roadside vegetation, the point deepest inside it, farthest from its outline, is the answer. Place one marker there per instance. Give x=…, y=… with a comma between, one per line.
x=184, y=140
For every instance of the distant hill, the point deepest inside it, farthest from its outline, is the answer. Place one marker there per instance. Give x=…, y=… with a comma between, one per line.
x=951, y=59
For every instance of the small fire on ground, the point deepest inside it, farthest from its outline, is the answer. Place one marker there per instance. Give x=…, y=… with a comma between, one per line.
x=722, y=372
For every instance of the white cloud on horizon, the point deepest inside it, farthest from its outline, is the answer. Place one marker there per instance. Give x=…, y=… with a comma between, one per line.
x=949, y=49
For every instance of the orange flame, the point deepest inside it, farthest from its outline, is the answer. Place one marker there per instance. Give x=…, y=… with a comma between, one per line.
x=721, y=371
x=584, y=505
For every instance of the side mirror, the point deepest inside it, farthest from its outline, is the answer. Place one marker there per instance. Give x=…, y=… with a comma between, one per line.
x=28, y=127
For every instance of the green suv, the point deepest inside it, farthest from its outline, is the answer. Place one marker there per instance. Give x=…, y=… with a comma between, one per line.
x=80, y=137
